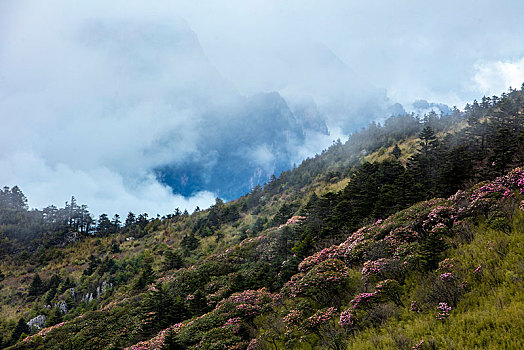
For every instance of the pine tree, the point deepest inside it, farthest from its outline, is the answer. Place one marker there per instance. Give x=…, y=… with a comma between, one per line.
x=104, y=225
x=396, y=151
x=504, y=146
x=130, y=220
x=428, y=141
x=173, y=260
x=21, y=328
x=145, y=277
x=198, y=303
x=37, y=287
x=424, y=164
x=455, y=171
x=160, y=310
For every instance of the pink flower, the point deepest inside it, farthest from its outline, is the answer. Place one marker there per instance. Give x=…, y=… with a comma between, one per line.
x=418, y=346
x=414, y=306
x=447, y=277
x=443, y=311
x=347, y=319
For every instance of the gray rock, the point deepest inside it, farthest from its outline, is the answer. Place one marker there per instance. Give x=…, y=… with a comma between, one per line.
x=37, y=322
x=88, y=297
x=63, y=307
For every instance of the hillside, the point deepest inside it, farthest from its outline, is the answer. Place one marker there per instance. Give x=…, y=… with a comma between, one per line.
x=357, y=247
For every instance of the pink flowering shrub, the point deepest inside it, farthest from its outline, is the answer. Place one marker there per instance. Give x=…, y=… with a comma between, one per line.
x=414, y=306
x=347, y=319
x=319, y=283
x=389, y=290
x=253, y=345
x=447, y=277
x=332, y=252
x=443, y=311
x=249, y=303
x=383, y=268
x=233, y=324
x=293, y=318
x=364, y=300
x=418, y=346
x=488, y=198
x=319, y=318
x=446, y=265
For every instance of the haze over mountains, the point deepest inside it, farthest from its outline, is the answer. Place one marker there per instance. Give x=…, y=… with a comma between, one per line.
x=150, y=107
x=169, y=120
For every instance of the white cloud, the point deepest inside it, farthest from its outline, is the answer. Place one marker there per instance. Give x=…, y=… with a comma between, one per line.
x=102, y=189
x=96, y=94
x=492, y=78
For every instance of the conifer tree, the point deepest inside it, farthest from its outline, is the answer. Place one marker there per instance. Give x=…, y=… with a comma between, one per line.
x=160, y=310
x=396, y=151
x=37, y=286
x=504, y=146
x=425, y=163
x=21, y=328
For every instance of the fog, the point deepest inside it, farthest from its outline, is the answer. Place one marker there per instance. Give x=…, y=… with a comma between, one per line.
x=94, y=97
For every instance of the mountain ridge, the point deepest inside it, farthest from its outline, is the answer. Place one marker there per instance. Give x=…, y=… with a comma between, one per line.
x=241, y=275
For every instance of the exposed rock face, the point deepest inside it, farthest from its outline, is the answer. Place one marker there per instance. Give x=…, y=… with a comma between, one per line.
x=63, y=307
x=88, y=297
x=73, y=293
x=37, y=322
x=102, y=289
x=99, y=291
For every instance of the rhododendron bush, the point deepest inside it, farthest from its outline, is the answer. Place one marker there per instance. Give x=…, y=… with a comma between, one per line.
x=412, y=241
x=395, y=267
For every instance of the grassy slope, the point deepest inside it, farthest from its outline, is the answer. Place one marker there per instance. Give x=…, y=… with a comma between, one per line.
x=490, y=315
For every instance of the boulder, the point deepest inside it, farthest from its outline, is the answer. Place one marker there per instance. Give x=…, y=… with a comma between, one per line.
x=37, y=322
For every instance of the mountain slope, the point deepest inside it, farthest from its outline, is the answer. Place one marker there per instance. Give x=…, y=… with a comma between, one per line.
x=313, y=259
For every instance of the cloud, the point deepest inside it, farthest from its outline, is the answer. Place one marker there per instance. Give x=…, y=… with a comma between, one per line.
x=102, y=189
x=91, y=105
x=94, y=96
x=492, y=78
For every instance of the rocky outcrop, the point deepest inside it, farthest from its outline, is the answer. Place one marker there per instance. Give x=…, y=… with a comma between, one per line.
x=98, y=292
x=37, y=322
x=63, y=307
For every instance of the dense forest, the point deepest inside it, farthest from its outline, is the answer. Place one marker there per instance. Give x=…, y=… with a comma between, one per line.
x=407, y=235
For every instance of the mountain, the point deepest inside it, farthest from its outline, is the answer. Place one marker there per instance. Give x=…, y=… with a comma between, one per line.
x=346, y=99
x=233, y=142
x=407, y=235
x=244, y=145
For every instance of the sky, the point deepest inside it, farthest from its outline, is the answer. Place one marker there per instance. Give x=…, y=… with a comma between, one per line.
x=95, y=95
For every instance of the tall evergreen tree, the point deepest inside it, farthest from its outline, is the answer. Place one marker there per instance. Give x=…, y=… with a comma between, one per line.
x=424, y=164
x=396, y=151
x=37, y=287
x=21, y=328
x=160, y=310
x=504, y=146
x=104, y=225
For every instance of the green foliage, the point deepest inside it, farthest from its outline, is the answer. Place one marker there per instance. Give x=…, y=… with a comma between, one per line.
x=37, y=287
x=20, y=329
x=145, y=277
x=354, y=291
x=160, y=310
x=172, y=260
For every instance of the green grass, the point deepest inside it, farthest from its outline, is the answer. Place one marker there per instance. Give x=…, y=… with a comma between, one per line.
x=489, y=316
